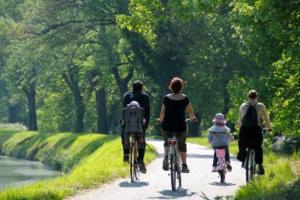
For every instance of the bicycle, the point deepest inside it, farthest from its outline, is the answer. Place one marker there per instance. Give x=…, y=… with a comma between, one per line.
x=250, y=164
x=221, y=167
x=134, y=167
x=174, y=161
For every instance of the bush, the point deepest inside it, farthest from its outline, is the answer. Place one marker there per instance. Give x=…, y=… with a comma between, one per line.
x=286, y=145
x=13, y=127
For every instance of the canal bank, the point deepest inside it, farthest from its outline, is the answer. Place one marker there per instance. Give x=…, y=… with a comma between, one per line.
x=17, y=172
x=87, y=159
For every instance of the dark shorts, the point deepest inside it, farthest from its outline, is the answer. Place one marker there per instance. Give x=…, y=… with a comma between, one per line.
x=141, y=139
x=181, y=138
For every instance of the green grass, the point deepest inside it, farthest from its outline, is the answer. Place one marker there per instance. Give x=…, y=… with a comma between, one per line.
x=95, y=159
x=281, y=181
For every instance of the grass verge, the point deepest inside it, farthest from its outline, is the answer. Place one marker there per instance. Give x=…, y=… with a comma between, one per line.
x=95, y=159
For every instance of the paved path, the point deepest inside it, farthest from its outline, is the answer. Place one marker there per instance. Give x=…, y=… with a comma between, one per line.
x=199, y=184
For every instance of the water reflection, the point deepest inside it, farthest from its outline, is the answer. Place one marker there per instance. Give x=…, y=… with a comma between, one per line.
x=16, y=172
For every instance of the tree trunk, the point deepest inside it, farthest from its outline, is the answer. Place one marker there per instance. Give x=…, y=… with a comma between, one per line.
x=122, y=82
x=80, y=110
x=102, y=122
x=102, y=126
x=12, y=113
x=78, y=99
x=114, y=118
x=226, y=99
x=32, y=119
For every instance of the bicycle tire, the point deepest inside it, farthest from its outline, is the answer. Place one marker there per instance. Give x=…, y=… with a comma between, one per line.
x=222, y=175
x=178, y=170
x=247, y=166
x=252, y=164
x=179, y=177
x=132, y=164
x=173, y=172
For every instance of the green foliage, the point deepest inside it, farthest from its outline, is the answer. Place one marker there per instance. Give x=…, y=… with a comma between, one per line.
x=269, y=33
x=57, y=111
x=221, y=48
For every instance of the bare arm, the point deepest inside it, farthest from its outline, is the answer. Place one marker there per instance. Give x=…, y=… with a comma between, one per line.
x=266, y=119
x=162, y=113
x=190, y=111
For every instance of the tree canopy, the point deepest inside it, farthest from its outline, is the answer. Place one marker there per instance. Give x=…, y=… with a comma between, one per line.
x=66, y=64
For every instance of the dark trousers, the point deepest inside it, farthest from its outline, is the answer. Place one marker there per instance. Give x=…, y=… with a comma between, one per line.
x=250, y=137
x=227, y=156
x=141, y=144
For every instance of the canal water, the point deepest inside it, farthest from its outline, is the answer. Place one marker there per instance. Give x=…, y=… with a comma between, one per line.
x=17, y=172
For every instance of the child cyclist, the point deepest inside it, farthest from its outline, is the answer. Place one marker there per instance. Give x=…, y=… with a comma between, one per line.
x=219, y=135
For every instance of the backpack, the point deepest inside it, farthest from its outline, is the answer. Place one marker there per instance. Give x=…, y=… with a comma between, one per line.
x=133, y=119
x=250, y=117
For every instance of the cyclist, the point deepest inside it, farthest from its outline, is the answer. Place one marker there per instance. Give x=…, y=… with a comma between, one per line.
x=172, y=117
x=142, y=98
x=219, y=135
x=250, y=131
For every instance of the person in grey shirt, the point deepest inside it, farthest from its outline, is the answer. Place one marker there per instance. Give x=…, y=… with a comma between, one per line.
x=219, y=135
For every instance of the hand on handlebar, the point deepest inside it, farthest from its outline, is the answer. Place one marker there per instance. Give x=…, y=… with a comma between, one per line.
x=193, y=119
x=266, y=131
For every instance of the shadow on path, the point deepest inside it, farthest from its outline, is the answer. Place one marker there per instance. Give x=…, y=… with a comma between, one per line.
x=222, y=184
x=204, y=197
x=132, y=185
x=169, y=194
x=201, y=156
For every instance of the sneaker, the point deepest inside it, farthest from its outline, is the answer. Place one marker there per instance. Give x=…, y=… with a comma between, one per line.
x=126, y=158
x=185, y=169
x=165, y=164
x=229, y=166
x=214, y=169
x=142, y=168
x=261, y=170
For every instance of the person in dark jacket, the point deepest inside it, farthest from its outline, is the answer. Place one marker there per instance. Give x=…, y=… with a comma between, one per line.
x=142, y=98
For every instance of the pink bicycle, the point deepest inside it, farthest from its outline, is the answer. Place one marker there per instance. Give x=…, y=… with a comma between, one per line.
x=221, y=167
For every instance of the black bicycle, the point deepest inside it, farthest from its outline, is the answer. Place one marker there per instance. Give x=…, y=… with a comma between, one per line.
x=134, y=167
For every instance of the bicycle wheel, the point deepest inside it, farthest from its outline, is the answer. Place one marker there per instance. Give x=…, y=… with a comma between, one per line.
x=132, y=162
x=173, y=172
x=178, y=170
x=247, y=166
x=252, y=164
x=222, y=175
